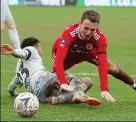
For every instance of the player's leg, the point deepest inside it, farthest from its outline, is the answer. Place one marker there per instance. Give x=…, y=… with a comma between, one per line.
x=88, y=83
x=44, y=85
x=2, y=25
x=13, y=33
x=58, y=95
x=2, y=19
x=118, y=73
x=77, y=96
x=63, y=97
x=80, y=96
x=13, y=85
x=47, y=89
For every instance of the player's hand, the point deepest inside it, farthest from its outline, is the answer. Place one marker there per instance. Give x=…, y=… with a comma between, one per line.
x=106, y=95
x=67, y=87
x=6, y=49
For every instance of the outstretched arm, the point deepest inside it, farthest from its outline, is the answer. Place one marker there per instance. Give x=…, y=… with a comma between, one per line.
x=9, y=50
x=102, y=67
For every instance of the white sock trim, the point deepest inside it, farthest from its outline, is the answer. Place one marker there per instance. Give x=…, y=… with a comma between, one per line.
x=134, y=85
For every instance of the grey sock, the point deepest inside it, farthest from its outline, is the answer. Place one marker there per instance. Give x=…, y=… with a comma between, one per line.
x=12, y=90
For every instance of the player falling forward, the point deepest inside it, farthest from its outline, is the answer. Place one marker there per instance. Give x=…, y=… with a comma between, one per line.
x=83, y=41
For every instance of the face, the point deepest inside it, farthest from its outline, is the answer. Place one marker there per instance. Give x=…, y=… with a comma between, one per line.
x=38, y=47
x=87, y=29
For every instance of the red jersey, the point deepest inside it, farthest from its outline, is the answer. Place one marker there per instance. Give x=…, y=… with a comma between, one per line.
x=71, y=43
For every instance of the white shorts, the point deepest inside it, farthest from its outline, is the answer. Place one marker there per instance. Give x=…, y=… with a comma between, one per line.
x=5, y=13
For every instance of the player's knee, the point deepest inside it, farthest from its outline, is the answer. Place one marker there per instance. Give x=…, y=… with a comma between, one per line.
x=113, y=69
x=2, y=27
x=87, y=81
x=12, y=26
x=76, y=81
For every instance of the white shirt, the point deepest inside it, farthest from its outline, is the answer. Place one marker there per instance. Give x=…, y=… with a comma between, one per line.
x=30, y=64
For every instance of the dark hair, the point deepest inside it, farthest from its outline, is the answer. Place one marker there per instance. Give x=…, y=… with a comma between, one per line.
x=92, y=15
x=30, y=41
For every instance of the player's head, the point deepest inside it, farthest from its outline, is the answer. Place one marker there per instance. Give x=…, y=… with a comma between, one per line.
x=31, y=41
x=88, y=23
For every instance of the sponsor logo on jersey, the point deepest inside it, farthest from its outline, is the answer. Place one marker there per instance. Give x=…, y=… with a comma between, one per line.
x=89, y=47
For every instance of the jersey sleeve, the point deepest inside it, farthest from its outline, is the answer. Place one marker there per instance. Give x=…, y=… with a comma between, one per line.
x=26, y=53
x=62, y=49
x=101, y=43
x=103, y=71
x=101, y=48
x=32, y=52
x=21, y=53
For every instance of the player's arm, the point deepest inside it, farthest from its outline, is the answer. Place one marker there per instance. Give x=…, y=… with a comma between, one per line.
x=19, y=53
x=103, y=69
x=59, y=61
x=101, y=49
x=59, y=64
x=61, y=53
x=103, y=72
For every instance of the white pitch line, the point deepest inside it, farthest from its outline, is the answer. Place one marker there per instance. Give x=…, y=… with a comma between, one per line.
x=91, y=74
x=77, y=73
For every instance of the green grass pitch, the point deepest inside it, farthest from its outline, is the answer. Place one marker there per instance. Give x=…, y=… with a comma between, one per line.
x=47, y=23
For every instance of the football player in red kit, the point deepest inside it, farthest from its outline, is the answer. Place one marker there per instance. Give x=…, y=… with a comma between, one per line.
x=83, y=41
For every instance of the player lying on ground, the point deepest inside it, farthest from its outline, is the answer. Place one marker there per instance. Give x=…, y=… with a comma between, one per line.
x=44, y=84
x=83, y=41
x=8, y=20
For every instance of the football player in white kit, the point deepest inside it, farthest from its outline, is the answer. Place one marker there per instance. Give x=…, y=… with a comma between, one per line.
x=8, y=20
x=44, y=84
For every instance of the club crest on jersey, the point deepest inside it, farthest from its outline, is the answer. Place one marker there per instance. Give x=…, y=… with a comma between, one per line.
x=63, y=43
x=89, y=47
